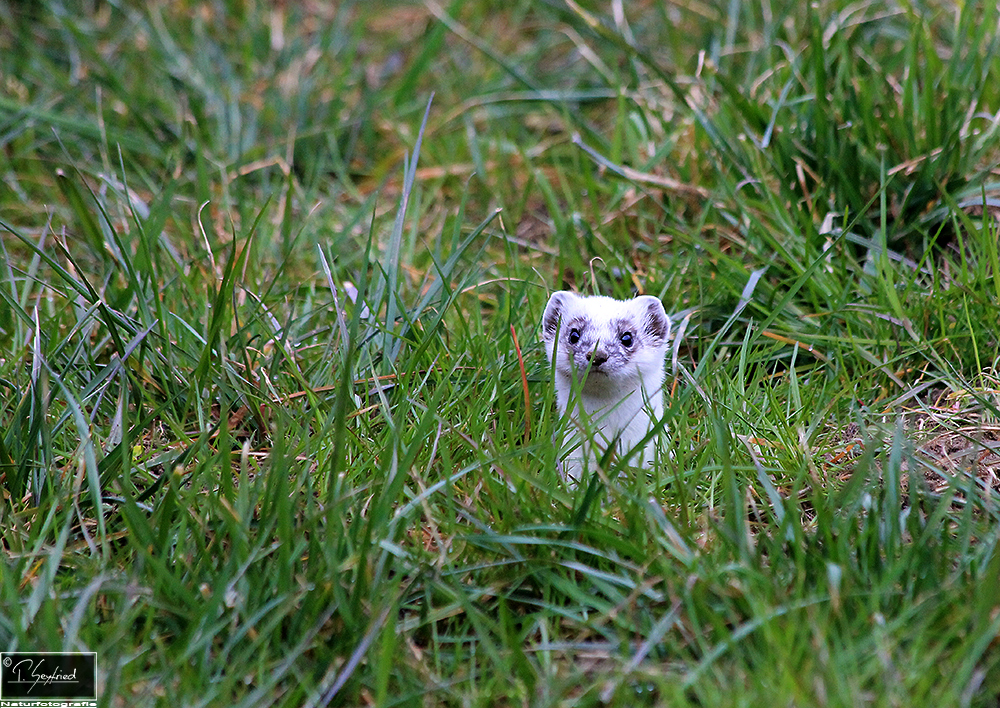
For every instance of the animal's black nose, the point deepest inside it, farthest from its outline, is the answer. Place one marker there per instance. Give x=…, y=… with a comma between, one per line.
x=597, y=358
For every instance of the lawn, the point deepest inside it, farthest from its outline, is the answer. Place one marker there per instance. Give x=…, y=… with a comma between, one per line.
x=276, y=422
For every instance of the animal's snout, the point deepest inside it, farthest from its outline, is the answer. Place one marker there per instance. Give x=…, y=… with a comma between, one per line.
x=596, y=358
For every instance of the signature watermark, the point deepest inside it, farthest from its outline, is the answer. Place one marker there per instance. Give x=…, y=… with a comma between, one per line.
x=31, y=675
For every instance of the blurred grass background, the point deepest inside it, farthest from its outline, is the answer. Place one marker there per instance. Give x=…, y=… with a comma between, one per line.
x=275, y=427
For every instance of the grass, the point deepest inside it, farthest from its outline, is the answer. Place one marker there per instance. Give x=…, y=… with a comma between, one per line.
x=276, y=425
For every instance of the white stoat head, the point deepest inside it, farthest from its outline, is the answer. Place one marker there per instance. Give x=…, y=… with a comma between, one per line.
x=613, y=343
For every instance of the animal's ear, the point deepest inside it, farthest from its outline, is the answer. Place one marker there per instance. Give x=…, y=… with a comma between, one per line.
x=655, y=321
x=554, y=311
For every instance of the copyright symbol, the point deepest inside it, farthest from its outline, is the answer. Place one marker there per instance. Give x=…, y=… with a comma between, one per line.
x=7, y=661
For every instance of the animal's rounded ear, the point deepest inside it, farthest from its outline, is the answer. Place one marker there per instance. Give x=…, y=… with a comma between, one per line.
x=554, y=312
x=655, y=320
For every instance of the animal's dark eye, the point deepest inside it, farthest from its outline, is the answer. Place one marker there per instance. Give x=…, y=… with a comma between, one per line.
x=574, y=336
x=626, y=339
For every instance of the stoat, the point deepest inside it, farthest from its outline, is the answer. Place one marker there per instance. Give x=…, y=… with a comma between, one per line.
x=608, y=357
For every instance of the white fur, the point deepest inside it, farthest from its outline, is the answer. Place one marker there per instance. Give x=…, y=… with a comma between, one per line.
x=622, y=393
